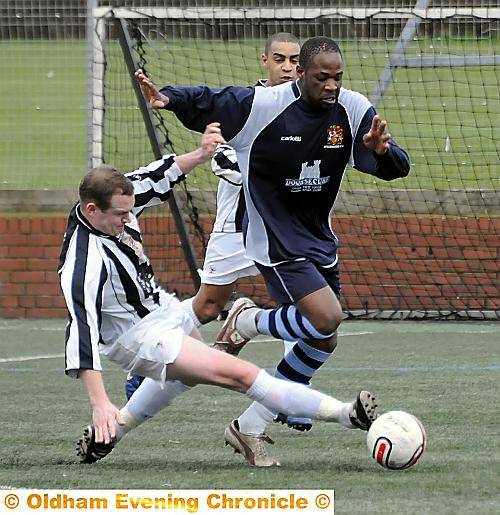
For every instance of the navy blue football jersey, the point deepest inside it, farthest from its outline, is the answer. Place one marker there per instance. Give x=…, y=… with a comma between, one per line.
x=292, y=159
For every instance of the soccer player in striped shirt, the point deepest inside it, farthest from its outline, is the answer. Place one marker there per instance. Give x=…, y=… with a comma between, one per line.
x=117, y=309
x=293, y=143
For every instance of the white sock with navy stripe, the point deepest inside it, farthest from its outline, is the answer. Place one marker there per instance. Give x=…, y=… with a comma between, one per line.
x=284, y=323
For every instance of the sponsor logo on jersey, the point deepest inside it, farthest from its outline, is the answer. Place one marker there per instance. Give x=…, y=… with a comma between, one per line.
x=335, y=137
x=309, y=179
x=291, y=138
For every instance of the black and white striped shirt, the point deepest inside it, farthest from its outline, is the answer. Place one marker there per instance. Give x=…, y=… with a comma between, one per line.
x=230, y=199
x=108, y=282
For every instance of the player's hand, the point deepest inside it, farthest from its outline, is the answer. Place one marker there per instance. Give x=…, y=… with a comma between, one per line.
x=376, y=138
x=211, y=138
x=149, y=91
x=104, y=416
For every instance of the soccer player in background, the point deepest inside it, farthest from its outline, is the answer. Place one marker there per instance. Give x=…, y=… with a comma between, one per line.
x=116, y=308
x=293, y=143
x=225, y=260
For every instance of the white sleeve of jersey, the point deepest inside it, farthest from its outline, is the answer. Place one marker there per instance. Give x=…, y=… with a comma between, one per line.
x=225, y=165
x=356, y=106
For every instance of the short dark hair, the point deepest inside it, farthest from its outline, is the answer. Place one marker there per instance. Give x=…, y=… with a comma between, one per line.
x=315, y=46
x=280, y=37
x=101, y=183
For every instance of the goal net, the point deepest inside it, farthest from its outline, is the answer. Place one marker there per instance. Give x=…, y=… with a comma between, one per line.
x=423, y=246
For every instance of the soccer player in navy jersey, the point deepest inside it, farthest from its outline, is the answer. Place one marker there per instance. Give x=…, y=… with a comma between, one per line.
x=293, y=143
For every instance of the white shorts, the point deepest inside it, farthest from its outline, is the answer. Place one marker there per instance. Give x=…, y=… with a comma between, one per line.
x=225, y=259
x=154, y=342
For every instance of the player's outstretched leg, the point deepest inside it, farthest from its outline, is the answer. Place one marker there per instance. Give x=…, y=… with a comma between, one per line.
x=298, y=365
x=359, y=414
x=88, y=450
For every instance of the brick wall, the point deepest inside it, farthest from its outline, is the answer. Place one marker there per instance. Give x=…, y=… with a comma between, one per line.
x=392, y=263
x=419, y=263
x=29, y=284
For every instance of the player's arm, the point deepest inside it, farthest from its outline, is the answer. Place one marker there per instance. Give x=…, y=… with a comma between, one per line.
x=104, y=412
x=376, y=153
x=199, y=106
x=83, y=274
x=154, y=182
x=211, y=138
x=225, y=165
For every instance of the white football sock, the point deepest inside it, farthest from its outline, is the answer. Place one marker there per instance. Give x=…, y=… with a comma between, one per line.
x=297, y=400
x=329, y=410
x=130, y=423
x=187, y=306
x=148, y=400
x=254, y=420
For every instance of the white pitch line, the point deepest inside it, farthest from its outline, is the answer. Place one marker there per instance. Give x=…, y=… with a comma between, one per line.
x=360, y=333
x=24, y=328
x=30, y=358
x=51, y=356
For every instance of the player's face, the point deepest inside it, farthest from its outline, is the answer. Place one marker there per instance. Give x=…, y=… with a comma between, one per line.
x=281, y=62
x=111, y=221
x=320, y=83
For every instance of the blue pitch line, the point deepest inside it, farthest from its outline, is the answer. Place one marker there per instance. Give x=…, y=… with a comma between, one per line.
x=452, y=368
x=465, y=368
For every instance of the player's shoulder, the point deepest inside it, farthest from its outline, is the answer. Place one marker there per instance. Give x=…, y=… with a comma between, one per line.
x=288, y=91
x=353, y=99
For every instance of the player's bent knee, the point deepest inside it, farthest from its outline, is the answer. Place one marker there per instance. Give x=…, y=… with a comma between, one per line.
x=327, y=324
x=325, y=319
x=210, y=309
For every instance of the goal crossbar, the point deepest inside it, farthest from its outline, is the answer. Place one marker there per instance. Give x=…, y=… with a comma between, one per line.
x=234, y=13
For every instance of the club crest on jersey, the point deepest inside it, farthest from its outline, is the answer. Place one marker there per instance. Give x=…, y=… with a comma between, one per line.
x=309, y=179
x=335, y=137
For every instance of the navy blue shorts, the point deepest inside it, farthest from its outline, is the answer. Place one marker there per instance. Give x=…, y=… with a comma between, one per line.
x=291, y=281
